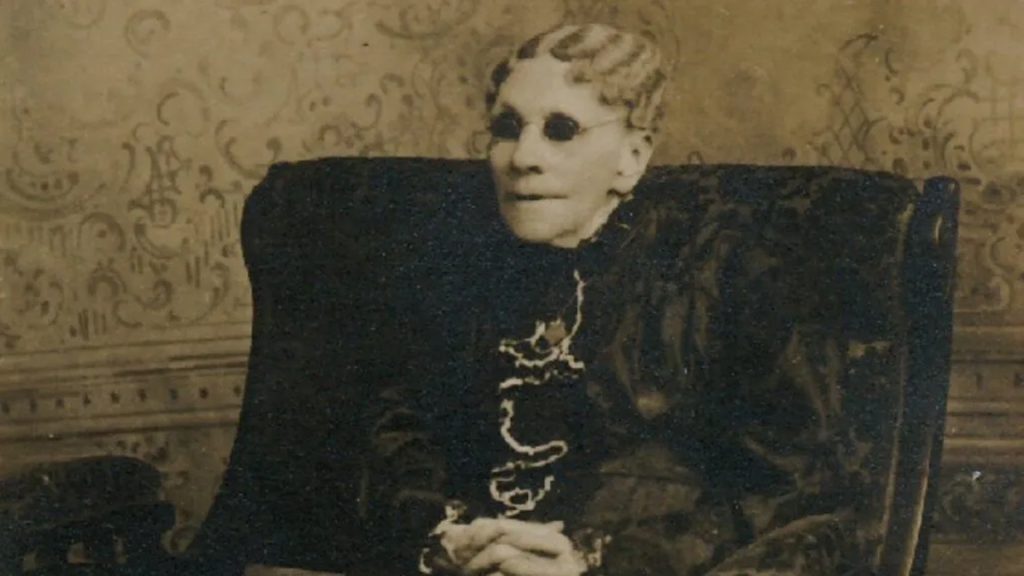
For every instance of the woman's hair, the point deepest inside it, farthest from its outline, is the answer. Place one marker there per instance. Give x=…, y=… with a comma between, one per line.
x=625, y=68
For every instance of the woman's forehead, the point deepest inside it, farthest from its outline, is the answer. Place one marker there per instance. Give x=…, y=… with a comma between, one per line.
x=540, y=86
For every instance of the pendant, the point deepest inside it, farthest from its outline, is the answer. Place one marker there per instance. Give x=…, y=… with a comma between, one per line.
x=555, y=332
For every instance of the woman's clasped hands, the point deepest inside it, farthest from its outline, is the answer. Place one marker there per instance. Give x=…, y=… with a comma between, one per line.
x=508, y=547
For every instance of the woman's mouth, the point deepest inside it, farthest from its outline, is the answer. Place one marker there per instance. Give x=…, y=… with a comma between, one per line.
x=524, y=197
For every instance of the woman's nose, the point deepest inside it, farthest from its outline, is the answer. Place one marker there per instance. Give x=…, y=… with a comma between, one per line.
x=528, y=155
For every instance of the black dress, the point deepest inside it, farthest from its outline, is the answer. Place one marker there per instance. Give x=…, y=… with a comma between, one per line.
x=656, y=389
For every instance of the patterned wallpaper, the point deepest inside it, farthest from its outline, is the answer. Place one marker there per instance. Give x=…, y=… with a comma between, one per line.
x=132, y=131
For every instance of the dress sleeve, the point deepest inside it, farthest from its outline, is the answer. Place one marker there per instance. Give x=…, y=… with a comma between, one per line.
x=404, y=475
x=771, y=481
x=404, y=466
x=802, y=495
x=760, y=460
x=803, y=414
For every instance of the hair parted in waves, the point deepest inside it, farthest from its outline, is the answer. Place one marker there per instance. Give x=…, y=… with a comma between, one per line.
x=625, y=68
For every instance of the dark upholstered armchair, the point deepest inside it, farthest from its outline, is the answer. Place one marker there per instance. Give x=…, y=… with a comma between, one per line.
x=329, y=245
x=327, y=241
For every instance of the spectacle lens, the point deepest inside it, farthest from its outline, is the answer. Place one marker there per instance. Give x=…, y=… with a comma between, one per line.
x=561, y=128
x=557, y=127
x=506, y=126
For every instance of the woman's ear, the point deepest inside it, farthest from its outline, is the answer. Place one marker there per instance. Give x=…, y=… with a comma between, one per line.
x=636, y=152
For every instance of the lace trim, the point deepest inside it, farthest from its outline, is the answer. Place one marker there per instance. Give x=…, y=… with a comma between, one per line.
x=545, y=357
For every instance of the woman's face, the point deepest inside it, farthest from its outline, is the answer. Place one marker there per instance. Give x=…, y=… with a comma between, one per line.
x=556, y=153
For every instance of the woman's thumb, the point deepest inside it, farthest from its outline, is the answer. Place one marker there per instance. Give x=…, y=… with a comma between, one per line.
x=557, y=525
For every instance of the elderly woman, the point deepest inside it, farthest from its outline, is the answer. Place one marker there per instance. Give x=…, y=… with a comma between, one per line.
x=611, y=415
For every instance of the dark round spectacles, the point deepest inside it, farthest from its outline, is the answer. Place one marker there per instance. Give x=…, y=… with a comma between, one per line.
x=557, y=127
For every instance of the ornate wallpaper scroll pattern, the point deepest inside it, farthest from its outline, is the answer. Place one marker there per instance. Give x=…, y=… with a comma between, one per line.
x=945, y=98
x=137, y=131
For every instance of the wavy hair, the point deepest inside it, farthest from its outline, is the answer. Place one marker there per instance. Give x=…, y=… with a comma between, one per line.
x=626, y=68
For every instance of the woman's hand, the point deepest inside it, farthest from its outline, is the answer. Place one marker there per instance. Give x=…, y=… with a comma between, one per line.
x=506, y=547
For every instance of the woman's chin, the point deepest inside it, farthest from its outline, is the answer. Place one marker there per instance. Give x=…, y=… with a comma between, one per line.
x=537, y=233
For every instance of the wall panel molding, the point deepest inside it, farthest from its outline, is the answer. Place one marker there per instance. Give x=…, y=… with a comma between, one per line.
x=985, y=410
x=173, y=404
x=147, y=386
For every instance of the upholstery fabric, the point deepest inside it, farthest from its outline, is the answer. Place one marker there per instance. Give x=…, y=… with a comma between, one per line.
x=95, y=503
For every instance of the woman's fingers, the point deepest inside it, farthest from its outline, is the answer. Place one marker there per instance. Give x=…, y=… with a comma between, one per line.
x=531, y=565
x=491, y=558
x=531, y=536
x=528, y=536
x=473, y=538
x=442, y=563
x=483, y=531
x=547, y=542
x=511, y=524
x=464, y=541
x=557, y=525
x=485, y=543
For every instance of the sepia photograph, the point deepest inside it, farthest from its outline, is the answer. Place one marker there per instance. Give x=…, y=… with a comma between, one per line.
x=512, y=288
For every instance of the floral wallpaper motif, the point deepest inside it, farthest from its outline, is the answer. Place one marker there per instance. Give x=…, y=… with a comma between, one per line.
x=946, y=98
x=136, y=131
